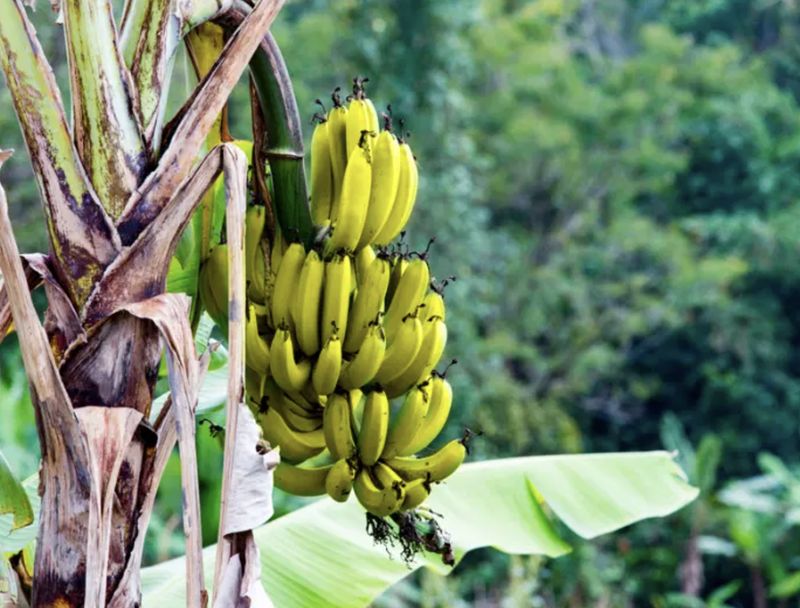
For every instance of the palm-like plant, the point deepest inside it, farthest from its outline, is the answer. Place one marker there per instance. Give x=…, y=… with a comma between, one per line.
x=119, y=184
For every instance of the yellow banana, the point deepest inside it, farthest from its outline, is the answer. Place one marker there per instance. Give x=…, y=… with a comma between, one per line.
x=305, y=307
x=336, y=297
x=339, y=482
x=256, y=347
x=337, y=141
x=301, y=481
x=286, y=283
x=359, y=120
x=363, y=259
x=402, y=351
x=407, y=296
x=295, y=446
x=253, y=385
x=404, y=201
x=438, y=410
x=276, y=251
x=361, y=369
x=328, y=366
x=435, y=467
x=367, y=304
x=399, y=265
x=433, y=306
x=351, y=210
x=417, y=491
x=338, y=426
x=293, y=401
x=255, y=265
x=385, y=181
x=294, y=416
x=321, y=174
x=434, y=340
x=214, y=285
x=388, y=479
x=381, y=502
x=407, y=422
x=290, y=374
x=374, y=427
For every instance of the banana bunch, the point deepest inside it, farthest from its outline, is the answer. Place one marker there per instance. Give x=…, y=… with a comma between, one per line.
x=343, y=337
x=363, y=180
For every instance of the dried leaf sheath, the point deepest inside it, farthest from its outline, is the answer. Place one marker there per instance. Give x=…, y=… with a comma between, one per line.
x=82, y=237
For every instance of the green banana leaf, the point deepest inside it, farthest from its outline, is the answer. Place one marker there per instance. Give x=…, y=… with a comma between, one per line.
x=14, y=534
x=13, y=500
x=320, y=555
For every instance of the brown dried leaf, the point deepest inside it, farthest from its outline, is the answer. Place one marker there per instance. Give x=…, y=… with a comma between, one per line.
x=241, y=585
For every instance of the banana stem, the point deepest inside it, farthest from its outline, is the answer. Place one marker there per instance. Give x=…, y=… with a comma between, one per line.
x=284, y=150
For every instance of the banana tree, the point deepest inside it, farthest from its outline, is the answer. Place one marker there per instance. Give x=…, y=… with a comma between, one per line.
x=119, y=184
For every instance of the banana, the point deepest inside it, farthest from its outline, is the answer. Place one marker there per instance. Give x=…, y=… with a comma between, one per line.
x=253, y=382
x=433, y=306
x=305, y=307
x=404, y=201
x=327, y=368
x=438, y=410
x=374, y=428
x=336, y=297
x=276, y=251
x=367, y=304
x=363, y=259
x=434, y=340
x=350, y=213
x=214, y=285
x=417, y=491
x=435, y=467
x=407, y=423
x=359, y=120
x=295, y=446
x=337, y=142
x=286, y=283
x=255, y=266
x=338, y=427
x=399, y=266
x=321, y=174
x=290, y=374
x=297, y=419
x=360, y=370
x=388, y=479
x=407, y=296
x=256, y=347
x=385, y=181
x=402, y=351
x=339, y=482
x=381, y=502
x=292, y=401
x=301, y=481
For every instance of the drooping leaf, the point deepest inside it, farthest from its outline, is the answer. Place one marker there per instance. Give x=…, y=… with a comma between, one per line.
x=15, y=540
x=311, y=556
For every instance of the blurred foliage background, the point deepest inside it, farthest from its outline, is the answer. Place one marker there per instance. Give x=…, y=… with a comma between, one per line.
x=615, y=185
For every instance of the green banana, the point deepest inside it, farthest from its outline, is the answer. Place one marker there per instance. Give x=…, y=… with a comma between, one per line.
x=367, y=304
x=385, y=181
x=401, y=352
x=305, y=308
x=435, y=467
x=213, y=285
x=407, y=423
x=337, y=424
x=286, y=281
x=301, y=481
x=434, y=339
x=339, y=482
x=290, y=374
x=255, y=264
x=374, y=427
x=336, y=297
x=407, y=296
x=328, y=366
x=321, y=174
x=404, y=201
x=438, y=410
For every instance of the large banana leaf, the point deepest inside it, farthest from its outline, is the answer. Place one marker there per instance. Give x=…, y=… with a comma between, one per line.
x=321, y=556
